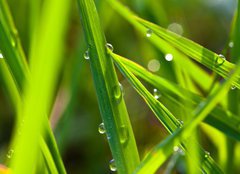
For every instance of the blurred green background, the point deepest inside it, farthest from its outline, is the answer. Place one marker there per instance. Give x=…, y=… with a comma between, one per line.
x=75, y=114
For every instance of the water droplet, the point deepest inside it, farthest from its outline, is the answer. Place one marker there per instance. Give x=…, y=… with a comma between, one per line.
x=207, y=154
x=112, y=165
x=169, y=57
x=10, y=153
x=175, y=148
x=231, y=44
x=154, y=65
x=124, y=134
x=118, y=92
x=14, y=37
x=1, y=55
x=109, y=46
x=156, y=94
x=220, y=60
x=176, y=28
x=86, y=55
x=149, y=33
x=101, y=128
x=233, y=87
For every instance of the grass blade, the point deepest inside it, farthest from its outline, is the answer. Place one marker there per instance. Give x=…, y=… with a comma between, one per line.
x=168, y=120
x=112, y=107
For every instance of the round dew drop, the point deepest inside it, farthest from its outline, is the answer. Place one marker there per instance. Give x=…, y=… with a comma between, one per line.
x=118, y=92
x=101, y=128
x=149, y=33
x=86, y=55
x=10, y=153
x=169, y=57
x=207, y=154
x=110, y=47
x=124, y=134
x=156, y=94
x=231, y=44
x=112, y=165
x=220, y=60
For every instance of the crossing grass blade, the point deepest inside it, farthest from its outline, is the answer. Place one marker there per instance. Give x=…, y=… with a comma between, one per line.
x=110, y=98
x=169, y=121
x=151, y=163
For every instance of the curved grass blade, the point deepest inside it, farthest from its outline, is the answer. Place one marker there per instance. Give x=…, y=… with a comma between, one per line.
x=182, y=60
x=165, y=148
x=223, y=120
x=111, y=103
x=162, y=113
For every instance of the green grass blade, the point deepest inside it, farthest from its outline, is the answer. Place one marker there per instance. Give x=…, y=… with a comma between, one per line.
x=179, y=58
x=218, y=118
x=112, y=107
x=165, y=148
x=168, y=120
x=39, y=91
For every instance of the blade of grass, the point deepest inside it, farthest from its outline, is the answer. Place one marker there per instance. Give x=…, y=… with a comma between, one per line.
x=10, y=79
x=112, y=107
x=182, y=60
x=151, y=163
x=168, y=120
x=39, y=90
x=218, y=118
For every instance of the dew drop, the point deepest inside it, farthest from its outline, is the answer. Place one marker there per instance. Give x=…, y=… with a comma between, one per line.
x=109, y=46
x=156, y=94
x=14, y=37
x=220, y=60
x=101, y=128
x=175, y=148
x=1, y=55
x=176, y=28
x=231, y=44
x=149, y=33
x=10, y=153
x=233, y=87
x=154, y=65
x=207, y=154
x=86, y=55
x=112, y=165
x=168, y=57
x=124, y=134
x=118, y=92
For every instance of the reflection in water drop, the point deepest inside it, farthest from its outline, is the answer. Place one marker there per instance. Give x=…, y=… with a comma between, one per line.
x=109, y=46
x=220, y=60
x=101, y=128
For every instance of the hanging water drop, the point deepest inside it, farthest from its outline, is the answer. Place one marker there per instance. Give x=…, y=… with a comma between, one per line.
x=1, y=55
x=101, y=128
x=112, y=165
x=10, y=153
x=86, y=55
x=220, y=60
x=233, y=87
x=156, y=94
x=231, y=44
x=109, y=46
x=168, y=57
x=118, y=92
x=149, y=33
x=207, y=154
x=124, y=134
x=14, y=37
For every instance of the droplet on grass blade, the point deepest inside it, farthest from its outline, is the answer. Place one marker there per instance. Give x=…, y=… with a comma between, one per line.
x=231, y=44
x=10, y=153
x=109, y=46
x=149, y=33
x=1, y=55
x=176, y=28
x=112, y=165
x=233, y=87
x=14, y=37
x=207, y=154
x=101, y=128
x=118, y=92
x=123, y=134
x=156, y=94
x=220, y=60
x=168, y=57
x=86, y=55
